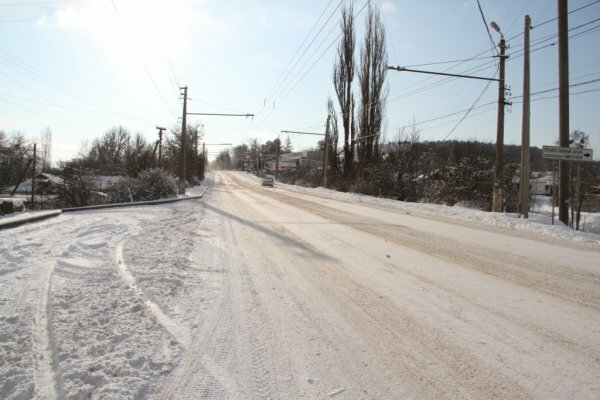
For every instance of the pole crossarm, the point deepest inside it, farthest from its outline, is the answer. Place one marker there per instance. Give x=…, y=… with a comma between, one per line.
x=304, y=133
x=401, y=69
x=223, y=115
x=362, y=138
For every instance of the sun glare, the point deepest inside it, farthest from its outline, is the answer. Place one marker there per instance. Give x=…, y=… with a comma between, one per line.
x=128, y=31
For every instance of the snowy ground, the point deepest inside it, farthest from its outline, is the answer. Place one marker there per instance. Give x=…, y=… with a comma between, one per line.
x=289, y=292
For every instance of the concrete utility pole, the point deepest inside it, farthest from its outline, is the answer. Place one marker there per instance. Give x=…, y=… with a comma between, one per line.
x=182, y=179
x=160, y=135
x=563, y=114
x=497, y=199
x=525, y=155
x=33, y=177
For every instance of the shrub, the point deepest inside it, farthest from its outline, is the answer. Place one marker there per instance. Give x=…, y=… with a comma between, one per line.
x=155, y=183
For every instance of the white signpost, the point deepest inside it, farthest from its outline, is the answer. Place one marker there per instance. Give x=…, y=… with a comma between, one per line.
x=567, y=153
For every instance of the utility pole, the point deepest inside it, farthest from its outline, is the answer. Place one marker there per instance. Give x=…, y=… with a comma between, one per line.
x=203, y=160
x=196, y=163
x=326, y=155
x=497, y=193
x=160, y=135
x=33, y=177
x=183, y=142
x=277, y=160
x=563, y=113
x=497, y=189
x=525, y=155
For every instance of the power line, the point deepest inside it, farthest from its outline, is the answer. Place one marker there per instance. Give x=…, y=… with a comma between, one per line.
x=487, y=28
x=167, y=57
x=474, y=107
x=385, y=24
x=145, y=65
x=553, y=36
x=448, y=62
x=570, y=12
x=321, y=56
x=470, y=109
x=484, y=66
x=286, y=72
x=36, y=3
x=286, y=75
x=298, y=81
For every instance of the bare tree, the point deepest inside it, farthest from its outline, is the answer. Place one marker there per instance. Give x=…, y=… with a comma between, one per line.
x=579, y=183
x=16, y=154
x=333, y=137
x=287, y=147
x=371, y=77
x=46, y=149
x=343, y=75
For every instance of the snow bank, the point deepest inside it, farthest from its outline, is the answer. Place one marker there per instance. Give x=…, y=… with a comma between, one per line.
x=538, y=223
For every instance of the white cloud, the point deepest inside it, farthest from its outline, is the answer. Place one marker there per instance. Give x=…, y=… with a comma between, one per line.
x=388, y=7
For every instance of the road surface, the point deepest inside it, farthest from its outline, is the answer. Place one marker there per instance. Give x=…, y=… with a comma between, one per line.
x=266, y=293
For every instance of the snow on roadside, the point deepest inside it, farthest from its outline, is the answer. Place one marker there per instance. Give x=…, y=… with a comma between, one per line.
x=538, y=224
x=71, y=325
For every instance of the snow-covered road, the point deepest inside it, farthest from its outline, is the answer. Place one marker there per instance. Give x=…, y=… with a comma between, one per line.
x=257, y=293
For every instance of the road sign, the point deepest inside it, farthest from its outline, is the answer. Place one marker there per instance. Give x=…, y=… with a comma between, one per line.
x=567, y=153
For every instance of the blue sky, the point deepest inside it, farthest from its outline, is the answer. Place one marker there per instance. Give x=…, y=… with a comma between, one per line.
x=83, y=66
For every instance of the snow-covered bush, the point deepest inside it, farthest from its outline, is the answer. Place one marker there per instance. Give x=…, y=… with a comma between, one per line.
x=125, y=191
x=155, y=183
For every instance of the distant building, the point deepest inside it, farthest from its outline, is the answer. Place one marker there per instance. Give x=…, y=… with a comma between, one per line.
x=541, y=183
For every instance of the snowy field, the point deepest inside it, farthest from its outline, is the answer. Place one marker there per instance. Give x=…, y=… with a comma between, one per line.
x=255, y=293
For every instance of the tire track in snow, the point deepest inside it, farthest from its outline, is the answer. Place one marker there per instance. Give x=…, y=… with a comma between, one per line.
x=179, y=332
x=198, y=372
x=43, y=358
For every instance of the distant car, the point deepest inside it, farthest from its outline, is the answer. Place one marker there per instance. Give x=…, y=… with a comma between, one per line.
x=268, y=180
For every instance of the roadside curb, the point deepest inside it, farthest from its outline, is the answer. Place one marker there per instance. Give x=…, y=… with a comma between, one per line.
x=134, y=204
x=36, y=218
x=56, y=213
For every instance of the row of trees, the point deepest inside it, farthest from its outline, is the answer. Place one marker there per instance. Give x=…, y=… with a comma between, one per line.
x=143, y=174
x=118, y=152
x=360, y=144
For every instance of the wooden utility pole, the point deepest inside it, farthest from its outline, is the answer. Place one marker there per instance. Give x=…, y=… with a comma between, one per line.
x=160, y=135
x=182, y=178
x=497, y=199
x=203, y=160
x=196, y=162
x=33, y=177
x=525, y=155
x=277, y=160
x=563, y=113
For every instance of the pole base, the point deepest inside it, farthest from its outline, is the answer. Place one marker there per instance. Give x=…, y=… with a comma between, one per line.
x=497, y=199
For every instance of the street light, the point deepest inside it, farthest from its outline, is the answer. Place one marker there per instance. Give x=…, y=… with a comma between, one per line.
x=496, y=28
